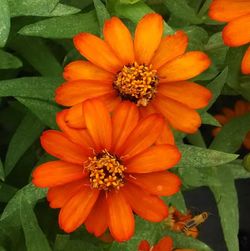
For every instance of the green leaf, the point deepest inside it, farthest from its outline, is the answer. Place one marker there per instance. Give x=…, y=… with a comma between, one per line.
x=77, y=3
x=28, y=87
x=32, y=195
x=209, y=74
x=196, y=139
x=244, y=87
x=198, y=157
x=208, y=119
x=197, y=37
x=233, y=60
x=63, y=27
x=102, y=14
x=4, y=22
x=32, y=7
x=216, y=87
x=232, y=134
x=246, y=162
x=6, y=192
x=63, y=10
x=144, y=231
x=227, y=202
x=238, y=170
x=2, y=175
x=10, y=222
x=37, y=53
x=129, y=1
x=45, y=111
x=182, y=10
x=34, y=237
x=28, y=131
x=216, y=49
x=75, y=245
x=177, y=200
x=203, y=10
x=183, y=241
x=135, y=12
x=8, y=61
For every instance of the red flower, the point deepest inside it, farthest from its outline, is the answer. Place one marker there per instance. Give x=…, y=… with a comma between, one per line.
x=108, y=170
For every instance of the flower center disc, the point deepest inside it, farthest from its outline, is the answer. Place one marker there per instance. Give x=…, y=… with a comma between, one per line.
x=105, y=171
x=137, y=83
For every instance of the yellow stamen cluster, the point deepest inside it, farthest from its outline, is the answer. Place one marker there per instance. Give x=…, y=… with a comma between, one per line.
x=105, y=171
x=137, y=83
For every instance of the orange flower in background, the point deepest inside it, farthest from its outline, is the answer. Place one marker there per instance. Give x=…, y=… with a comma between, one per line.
x=237, y=32
x=176, y=222
x=165, y=244
x=240, y=108
x=150, y=70
x=108, y=170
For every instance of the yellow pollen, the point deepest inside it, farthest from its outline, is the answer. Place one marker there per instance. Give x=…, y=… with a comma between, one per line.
x=137, y=83
x=105, y=171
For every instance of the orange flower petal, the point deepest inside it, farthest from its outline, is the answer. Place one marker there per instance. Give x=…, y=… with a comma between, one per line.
x=77, y=209
x=158, y=183
x=143, y=136
x=245, y=64
x=80, y=137
x=227, y=10
x=58, y=145
x=118, y=37
x=124, y=120
x=166, y=136
x=184, y=67
x=110, y=100
x=237, y=32
x=147, y=206
x=165, y=244
x=191, y=94
x=170, y=47
x=74, y=117
x=55, y=173
x=59, y=195
x=98, y=123
x=153, y=159
x=148, y=35
x=97, y=222
x=97, y=51
x=74, y=92
x=144, y=246
x=178, y=115
x=85, y=70
x=120, y=217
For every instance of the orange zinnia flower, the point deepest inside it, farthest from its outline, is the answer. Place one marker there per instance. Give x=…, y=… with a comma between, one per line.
x=240, y=108
x=165, y=244
x=150, y=71
x=108, y=170
x=237, y=31
x=176, y=222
